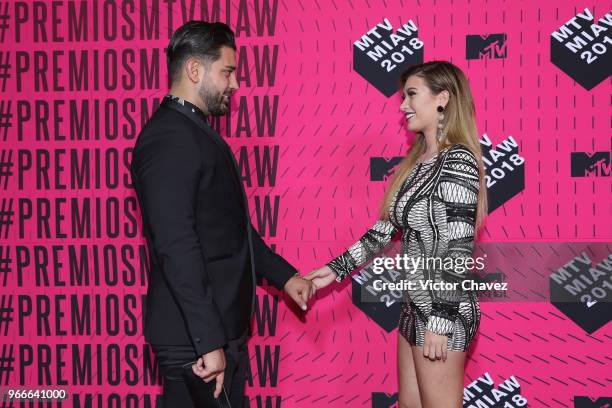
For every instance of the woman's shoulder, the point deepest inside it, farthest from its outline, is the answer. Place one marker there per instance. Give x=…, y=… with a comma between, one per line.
x=459, y=152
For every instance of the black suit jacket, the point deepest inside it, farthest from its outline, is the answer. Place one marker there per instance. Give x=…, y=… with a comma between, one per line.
x=204, y=253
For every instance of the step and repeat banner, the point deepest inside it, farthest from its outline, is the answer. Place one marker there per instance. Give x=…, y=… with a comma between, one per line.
x=316, y=131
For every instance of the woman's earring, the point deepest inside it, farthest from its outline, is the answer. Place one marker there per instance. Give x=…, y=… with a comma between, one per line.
x=440, y=122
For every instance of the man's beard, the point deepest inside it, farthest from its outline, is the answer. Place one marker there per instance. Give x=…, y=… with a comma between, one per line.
x=213, y=99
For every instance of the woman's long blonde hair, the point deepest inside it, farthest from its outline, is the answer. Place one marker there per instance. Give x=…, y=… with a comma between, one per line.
x=459, y=127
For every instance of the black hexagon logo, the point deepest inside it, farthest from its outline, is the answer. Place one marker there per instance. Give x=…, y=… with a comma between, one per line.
x=382, y=54
x=582, y=50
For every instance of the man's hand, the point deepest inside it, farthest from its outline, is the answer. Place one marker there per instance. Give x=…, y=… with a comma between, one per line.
x=211, y=366
x=300, y=290
x=321, y=277
x=434, y=346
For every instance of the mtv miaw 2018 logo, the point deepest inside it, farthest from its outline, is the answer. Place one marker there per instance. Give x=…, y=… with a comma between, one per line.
x=381, y=55
x=484, y=393
x=480, y=393
x=485, y=46
x=382, y=306
x=582, y=48
x=504, y=170
x=582, y=290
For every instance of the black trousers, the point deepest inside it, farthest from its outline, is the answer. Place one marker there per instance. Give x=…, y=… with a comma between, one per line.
x=176, y=392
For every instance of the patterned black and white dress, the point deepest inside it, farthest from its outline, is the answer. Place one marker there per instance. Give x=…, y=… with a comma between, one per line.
x=435, y=209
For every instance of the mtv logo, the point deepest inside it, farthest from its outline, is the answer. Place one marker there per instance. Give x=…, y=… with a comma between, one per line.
x=381, y=168
x=485, y=46
x=587, y=402
x=384, y=400
x=590, y=164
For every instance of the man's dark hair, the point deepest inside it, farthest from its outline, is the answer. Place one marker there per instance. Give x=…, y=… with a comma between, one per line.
x=197, y=39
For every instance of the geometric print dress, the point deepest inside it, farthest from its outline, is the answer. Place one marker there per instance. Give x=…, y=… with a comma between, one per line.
x=435, y=210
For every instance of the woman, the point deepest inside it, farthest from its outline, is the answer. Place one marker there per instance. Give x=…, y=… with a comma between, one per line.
x=437, y=199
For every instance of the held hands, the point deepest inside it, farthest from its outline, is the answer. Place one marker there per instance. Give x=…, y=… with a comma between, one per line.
x=211, y=366
x=300, y=290
x=321, y=277
x=434, y=346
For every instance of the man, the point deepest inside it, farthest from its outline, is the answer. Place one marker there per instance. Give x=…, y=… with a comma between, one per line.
x=204, y=252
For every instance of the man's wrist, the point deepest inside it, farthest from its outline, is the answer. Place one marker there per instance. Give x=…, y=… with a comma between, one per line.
x=297, y=274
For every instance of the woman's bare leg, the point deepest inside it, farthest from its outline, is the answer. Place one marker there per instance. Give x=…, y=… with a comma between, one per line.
x=440, y=382
x=408, y=387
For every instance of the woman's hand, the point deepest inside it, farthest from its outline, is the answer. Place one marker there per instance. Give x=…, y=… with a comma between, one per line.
x=434, y=346
x=321, y=277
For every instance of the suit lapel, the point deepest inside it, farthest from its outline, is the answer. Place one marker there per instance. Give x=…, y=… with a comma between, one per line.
x=225, y=149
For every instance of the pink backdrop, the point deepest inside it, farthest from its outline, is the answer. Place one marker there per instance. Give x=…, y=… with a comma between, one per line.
x=328, y=123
